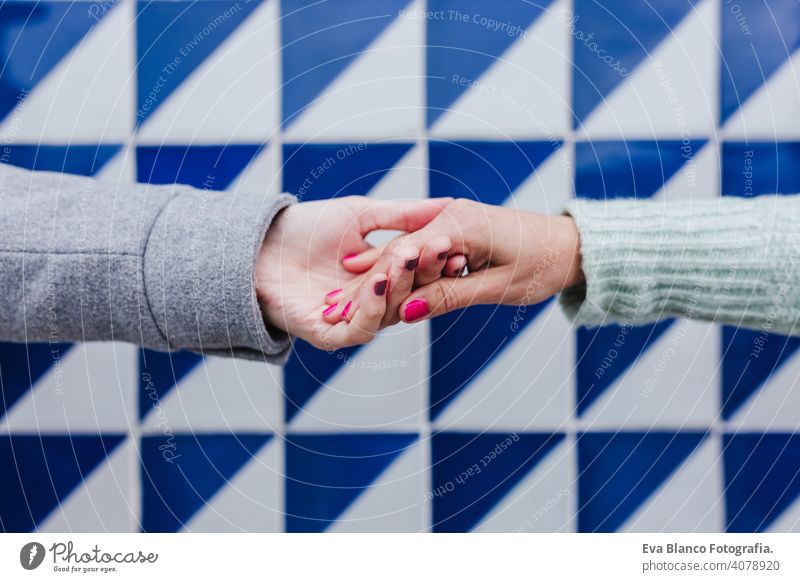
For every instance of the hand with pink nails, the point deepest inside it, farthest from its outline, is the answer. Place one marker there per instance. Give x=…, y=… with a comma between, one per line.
x=302, y=287
x=513, y=258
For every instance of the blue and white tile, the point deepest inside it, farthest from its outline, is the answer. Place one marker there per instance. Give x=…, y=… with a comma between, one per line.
x=221, y=394
x=381, y=386
x=673, y=92
x=673, y=382
x=691, y=500
x=233, y=95
x=90, y=387
x=543, y=501
x=394, y=502
x=527, y=385
x=88, y=96
x=774, y=404
x=105, y=501
x=773, y=111
x=379, y=95
x=251, y=501
x=524, y=93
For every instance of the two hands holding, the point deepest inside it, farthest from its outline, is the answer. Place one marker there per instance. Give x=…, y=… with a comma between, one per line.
x=318, y=279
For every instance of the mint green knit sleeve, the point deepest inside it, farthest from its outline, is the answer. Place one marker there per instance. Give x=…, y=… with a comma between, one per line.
x=728, y=260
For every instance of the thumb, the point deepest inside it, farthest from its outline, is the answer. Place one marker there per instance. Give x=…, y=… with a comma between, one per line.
x=448, y=294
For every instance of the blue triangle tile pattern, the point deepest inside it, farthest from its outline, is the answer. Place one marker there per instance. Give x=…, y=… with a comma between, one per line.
x=314, y=479
x=619, y=471
x=754, y=48
x=627, y=32
x=628, y=169
x=174, y=38
x=488, y=172
x=762, y=478
x=326, y=473
x=320, y=42
x=322, y=171
x=178, y=485
x=461, y=46
x=35, y=37
x=473, y=472
x=455, y=362
x=21, y=366
x=607, y=353
x=43, y=470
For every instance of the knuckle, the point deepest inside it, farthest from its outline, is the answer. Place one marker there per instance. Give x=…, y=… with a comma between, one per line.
x=448, y=297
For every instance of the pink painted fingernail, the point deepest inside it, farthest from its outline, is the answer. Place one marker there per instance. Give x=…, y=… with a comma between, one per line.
x=329, y=309
x=346, y=308
x=349, y=256
x=415, y=310
x=334, y=292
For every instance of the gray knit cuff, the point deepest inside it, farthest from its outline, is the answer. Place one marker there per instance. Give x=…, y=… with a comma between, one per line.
x=199, y=273
x=715, y=260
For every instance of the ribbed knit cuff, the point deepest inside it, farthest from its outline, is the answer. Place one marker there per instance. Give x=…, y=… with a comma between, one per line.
x=199, y=270
x=728, y=260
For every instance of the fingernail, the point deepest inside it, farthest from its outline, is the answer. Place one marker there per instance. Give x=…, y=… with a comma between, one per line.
x=443, y=255
x=462, y=271
x=349, y=256
x=334, y=292
x=346, y=308
x=329, y=309
x=415, y=310
x=380, y=287
x=411, y=264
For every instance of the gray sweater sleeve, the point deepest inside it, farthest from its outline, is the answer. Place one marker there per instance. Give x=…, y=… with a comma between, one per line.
x=166, y=267
x=728, y=260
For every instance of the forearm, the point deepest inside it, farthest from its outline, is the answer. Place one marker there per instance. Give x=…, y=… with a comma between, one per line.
x=167, y=267
x=730, y=260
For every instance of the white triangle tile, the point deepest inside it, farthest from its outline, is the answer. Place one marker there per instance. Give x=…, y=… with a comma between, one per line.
x=549, y=188
x=394, y=502
x=261, y=174
x=232, y=95
x=674, y=383
x=774, y=406
x=528, y=386
x=674, y=90
x=103, y=502
x=380, y=94
x=698, y=179
x=121, y=169
x=90, y=388
x=690, y=500
x=525, y=93
x=542, y=501
x=773, y=112
x=221, y=394
x=407, y=180
x=252, y=501
x=788, y=521
x=383, y=386
x=89, y=95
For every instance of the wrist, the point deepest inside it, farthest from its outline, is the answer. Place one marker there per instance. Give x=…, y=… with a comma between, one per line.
x=568, y=245
x=267, y=274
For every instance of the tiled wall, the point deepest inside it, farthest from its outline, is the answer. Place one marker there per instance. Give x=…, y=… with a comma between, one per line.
x=464, y=423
